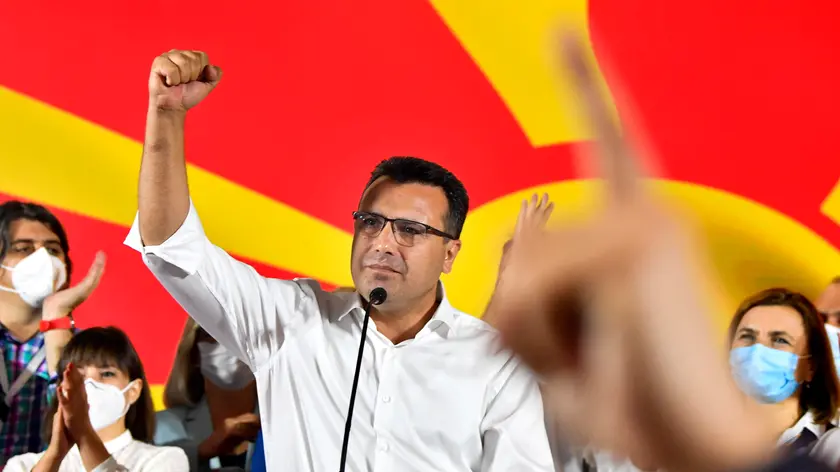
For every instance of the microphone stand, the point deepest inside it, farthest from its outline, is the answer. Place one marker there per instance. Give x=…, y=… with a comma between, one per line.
x=377, y=296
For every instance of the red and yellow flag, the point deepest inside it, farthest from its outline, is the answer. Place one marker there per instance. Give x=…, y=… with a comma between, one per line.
x=740, y=98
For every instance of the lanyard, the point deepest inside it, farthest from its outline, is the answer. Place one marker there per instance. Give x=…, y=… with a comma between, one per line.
x=24, y=376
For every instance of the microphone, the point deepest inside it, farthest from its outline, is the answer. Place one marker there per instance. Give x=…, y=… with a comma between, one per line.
x=377, y=297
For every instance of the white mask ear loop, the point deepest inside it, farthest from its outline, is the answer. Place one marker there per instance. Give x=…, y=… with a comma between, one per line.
x=3, y=287
x=127, y=403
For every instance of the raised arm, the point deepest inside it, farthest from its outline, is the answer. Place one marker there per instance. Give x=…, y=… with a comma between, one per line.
x=533, y=216
x=242, y=310
x=178, y=81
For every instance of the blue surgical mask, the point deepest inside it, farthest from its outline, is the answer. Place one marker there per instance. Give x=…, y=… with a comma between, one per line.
x=766, y=374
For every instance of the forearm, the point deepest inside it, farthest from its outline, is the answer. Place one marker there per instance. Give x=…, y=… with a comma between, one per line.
x=685, y=371
x=54, y=342
x=163, y=193
x=55, y=339
x=490, y=311
x=49, y=462
x=209, y=448
x=92, y=450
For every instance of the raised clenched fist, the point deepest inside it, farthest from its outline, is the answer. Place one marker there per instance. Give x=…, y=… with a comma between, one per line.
x=179, y=80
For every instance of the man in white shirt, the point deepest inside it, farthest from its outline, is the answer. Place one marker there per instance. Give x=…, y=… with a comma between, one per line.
x=435, y=394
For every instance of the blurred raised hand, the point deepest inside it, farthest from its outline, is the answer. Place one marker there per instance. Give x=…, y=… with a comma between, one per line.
x=610, y=314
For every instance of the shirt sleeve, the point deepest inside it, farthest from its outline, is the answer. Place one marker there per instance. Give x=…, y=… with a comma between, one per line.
x=248, y=314
x=794, y=463
x=513, y=429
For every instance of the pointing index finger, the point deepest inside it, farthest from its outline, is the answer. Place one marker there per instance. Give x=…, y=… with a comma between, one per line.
x=615, y=157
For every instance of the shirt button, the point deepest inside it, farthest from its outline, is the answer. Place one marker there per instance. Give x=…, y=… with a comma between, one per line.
x=386, y=399
x=383, y=447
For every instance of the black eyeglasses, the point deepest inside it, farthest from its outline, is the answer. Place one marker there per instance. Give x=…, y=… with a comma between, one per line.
x=406, y=232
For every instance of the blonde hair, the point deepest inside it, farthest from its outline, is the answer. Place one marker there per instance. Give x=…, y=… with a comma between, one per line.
x=185, y=385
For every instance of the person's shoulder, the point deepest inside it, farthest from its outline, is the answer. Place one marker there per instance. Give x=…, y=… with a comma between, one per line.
x=827, y=448
x=486, y=344
x=312, y=288
x=168, y=458
x=23, y=462
x=308, y=293
x=473, y=326
x=482, y=338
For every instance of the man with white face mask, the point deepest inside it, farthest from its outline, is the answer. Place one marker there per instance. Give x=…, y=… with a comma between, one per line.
x=35, y=318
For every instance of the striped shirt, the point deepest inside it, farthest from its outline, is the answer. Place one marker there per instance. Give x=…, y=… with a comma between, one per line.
x=21, y=433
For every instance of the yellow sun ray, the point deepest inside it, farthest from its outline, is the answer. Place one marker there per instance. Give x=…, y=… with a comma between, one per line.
x=513, y=43
x=744, y=258
x=61, y=160
x=831, y=205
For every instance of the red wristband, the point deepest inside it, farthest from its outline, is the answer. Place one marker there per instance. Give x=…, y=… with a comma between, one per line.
x=65, y=322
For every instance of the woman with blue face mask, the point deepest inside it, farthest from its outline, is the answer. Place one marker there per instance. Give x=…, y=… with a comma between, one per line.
x=781, y=358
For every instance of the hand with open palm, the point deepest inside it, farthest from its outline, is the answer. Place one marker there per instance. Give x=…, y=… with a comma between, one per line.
x=533, y=216
x=64, y=301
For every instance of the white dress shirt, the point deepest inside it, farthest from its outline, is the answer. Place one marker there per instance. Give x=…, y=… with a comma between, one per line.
x=805, y=423
x=447, y=400
x=126, y=455
x=826, y=448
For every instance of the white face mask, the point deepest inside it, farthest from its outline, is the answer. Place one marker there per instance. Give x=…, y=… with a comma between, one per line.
x=36, y=276
x=107, y=403
x=223, y=369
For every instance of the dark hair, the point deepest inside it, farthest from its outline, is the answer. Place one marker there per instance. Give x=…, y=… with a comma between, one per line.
x=110, y=347
x=823, y=393
x=14, y=210
x=409, y=170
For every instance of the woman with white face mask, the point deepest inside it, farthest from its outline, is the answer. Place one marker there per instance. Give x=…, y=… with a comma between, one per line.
x=781, y=358
x=36, y=321
x=211, y=402
x=103, y=417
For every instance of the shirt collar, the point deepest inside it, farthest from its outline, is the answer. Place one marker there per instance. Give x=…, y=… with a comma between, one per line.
x=37, y=339
x=119, y=442
x=115, y=445
x=806, y=422
x=445, y=313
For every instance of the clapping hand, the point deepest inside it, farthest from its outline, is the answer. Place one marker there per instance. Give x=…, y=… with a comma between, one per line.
x=72, y=400
x=62, y=302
